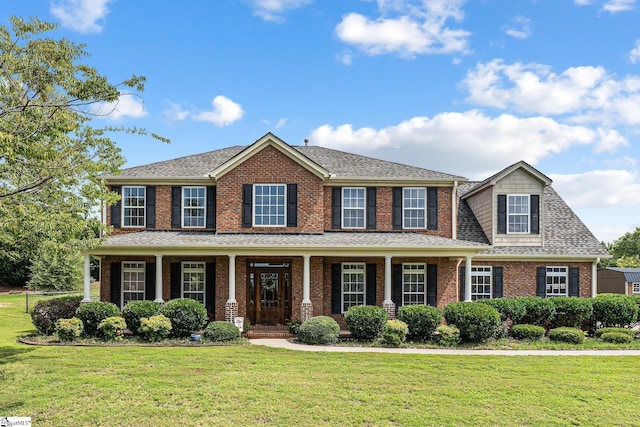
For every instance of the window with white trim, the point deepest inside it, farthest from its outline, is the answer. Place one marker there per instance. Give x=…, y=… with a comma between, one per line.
x=636, y=288
x=133, y=281
x=414, y=207
x=481, y=282
x=269, y=205
x=353, y=285
x=133, y=206
x=518, y=210
x=193, y=281
x=193, y=206
x=557, y=279
x=414, y=284
x=353, y=207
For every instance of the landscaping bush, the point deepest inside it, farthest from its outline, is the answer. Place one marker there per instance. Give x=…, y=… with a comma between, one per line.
x=154, y=328
x=221, y=331
x=112, y=328
x=476, y=322
x=636, y=298
x=395, y=333
x=446, y=335
x=538, y=311
x=46, y=313
x=527, y=332
x=365, y=322
x=136, y=310
x=186, y=315
x=566, y=334
x=422, y=320
x=509, y=308
x=570, y=311
x=319, y=330
x=616, y=338
x=294, y=326
x=92, y=313
x=69, y=329
x=601, y=331
x=614, y=310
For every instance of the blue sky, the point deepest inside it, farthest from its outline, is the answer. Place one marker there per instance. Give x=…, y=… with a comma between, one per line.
x=464, y=87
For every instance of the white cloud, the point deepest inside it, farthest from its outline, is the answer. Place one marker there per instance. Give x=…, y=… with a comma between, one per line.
x=127, y=105
x=582, y=2
x=598, y=188
x=346, y=57
x=634, y=55
x=81, y=15
x=225, y=112
x=281, y=123
x=615, y=6
x=273, y=10
x=520, y=28
x=407, y=28
x=175, y=112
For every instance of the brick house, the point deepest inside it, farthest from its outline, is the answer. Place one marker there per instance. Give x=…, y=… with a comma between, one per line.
x=273, y=232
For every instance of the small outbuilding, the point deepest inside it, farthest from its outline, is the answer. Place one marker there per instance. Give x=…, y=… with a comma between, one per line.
x=617, y=280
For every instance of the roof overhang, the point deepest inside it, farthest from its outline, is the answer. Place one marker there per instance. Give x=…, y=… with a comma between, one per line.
x=492, y=181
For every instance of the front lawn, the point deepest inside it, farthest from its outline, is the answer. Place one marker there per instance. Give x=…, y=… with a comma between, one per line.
x=251, y=385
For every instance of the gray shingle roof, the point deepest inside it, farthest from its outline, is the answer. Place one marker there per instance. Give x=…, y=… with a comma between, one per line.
x=630, y=274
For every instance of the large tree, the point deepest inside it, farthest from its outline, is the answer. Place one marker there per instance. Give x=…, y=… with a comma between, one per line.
x=625, y=251
x=51, y=155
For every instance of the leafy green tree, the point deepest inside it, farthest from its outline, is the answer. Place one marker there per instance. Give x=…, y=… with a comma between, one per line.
x=625, y=251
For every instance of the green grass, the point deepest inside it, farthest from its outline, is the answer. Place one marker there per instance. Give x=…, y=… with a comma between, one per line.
x=251, y=385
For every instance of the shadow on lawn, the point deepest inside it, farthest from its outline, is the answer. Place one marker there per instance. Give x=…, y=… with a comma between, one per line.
x=9, y=354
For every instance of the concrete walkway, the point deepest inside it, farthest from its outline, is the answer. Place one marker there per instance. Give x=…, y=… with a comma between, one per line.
x=283, y=343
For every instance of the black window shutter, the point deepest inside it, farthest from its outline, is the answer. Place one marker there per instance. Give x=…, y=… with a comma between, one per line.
x=497, y=282
x=432, y=208
x=371, y=208
x=292, y=205
x=336, y=289
x=176, y=280
x=176, y=207
x=397, y=284
x=535, y=214
x=371, y=285
x=150, y=281
x=151, y=206
x=432, y=285
x=541, y=281
x=463, y=279
x=336, y=207
x=211, y=206
x=116, y=270
x=247, y=202
x=502, y=214
x=574, y=282
x=210, y=290
x=117, y=208
x=396, y=202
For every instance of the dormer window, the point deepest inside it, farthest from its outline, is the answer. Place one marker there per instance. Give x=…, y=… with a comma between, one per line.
x=518, y=214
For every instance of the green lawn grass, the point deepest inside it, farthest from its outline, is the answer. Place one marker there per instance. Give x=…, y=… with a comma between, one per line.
x=252, y=385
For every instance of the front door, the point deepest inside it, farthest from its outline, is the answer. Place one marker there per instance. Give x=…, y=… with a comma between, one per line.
x=269, y=293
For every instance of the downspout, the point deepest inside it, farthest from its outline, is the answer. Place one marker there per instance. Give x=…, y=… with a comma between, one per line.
x=594, y=278
x=454, y=210
x=458, y=279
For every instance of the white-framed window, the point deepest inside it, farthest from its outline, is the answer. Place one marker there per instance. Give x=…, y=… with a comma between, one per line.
x=193, y=206
x=414, y=207
x=133, y=206
x=353, y=285
x=133, y=281
x=518, y=210
x=481, y=282
x=269, y=205
x=353, y=207
x=414, y=284
x=193, y=280
x=557, y=279
x=636, y=288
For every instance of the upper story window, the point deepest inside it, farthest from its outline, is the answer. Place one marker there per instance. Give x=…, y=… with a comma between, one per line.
x=133, y=206
x=481, y=282
x=414, y=207
x=353, y=207
x=269, y=205
x=557, y=279
x=518, y=213
x=193, y=206
x=414, y=284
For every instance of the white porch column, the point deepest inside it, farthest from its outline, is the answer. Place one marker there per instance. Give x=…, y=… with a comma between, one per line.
x=306, y=310
x=388, y=304
x=231, y=308
x=87, y=279
x=159, y=279
x=467, y=279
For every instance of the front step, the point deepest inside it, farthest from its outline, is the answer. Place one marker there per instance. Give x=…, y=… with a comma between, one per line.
x=266, y=331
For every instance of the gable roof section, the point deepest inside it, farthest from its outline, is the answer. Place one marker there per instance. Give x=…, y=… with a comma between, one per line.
x=631, y=275
x=492, y=180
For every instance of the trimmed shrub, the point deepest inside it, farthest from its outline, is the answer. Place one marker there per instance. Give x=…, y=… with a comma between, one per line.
x=476, y=322
x=509, y=308
x=319, y=330
x=636, y=298
x=395, y=333
x=186, y=315
x=527, y=332
x=136, y=310
x=614, y=310
x=154, y=328
x=46, y=313
x=446, y=335
x=294, y=326
x=221, y=331
x=92, y=313
x=365, y=322
x=571, y=311
x=566, y=334
x=69, y=329
x=112, y=328
x=422, y=320
x=601, y=331
x=616, y=338
x=538, y=311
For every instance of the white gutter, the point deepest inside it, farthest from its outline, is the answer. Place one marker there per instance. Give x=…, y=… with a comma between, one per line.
x=594, y=278
x=454, y=210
